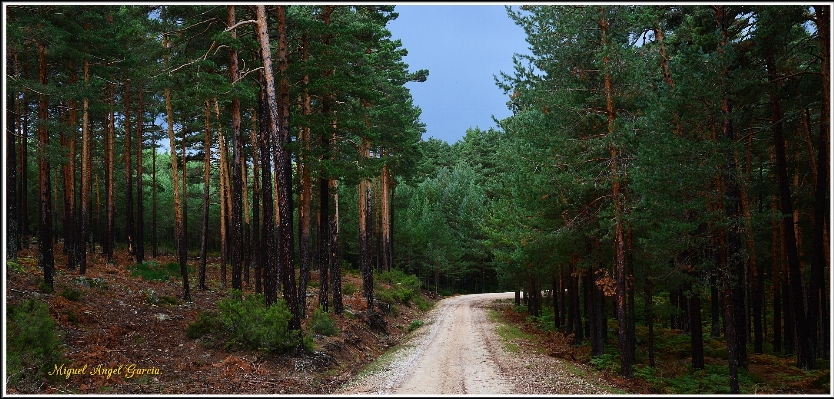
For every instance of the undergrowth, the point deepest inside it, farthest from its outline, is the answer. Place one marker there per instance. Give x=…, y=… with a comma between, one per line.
x=246, y=322
x=158, y=272
x=33, y=346
x=401, y=288
x=322, y=323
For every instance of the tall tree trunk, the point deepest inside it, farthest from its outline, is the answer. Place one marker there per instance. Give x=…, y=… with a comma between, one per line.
x=246, y=247
x=805, y=353
x=180, y=233
x=236, y=228
x=128, y=173
x=816, y=290
x=22, y=108
x=256, y=203
x=733, y=273
x=86, y=175
x=109, y=153
x=225, y=200
x=183, y=145
x=753, y=273
x=12, y=239
x=154, y=248
x=775, y=280
x=335, y=255
x=385, y=208
x=365, y=266
x=201, y=281
x=267, y=267
x=324, y=194
x=46, y=260
x=306, y=195
x=284, y=172
x=278, y=122
x=626, y=359
x=324, y=234
x=140, y=194
x=71, y=241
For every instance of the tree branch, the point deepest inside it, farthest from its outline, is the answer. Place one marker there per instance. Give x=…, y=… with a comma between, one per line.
x=248, y=22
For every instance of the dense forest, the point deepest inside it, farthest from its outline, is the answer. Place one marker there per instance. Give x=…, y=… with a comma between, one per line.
x=663, y=164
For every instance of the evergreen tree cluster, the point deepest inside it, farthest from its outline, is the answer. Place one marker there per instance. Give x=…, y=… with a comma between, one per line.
x=160, y=125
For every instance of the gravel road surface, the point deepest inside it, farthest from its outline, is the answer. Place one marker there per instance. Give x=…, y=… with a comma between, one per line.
x=458, y=352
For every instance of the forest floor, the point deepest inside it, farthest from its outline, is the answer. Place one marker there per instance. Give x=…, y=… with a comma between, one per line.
x=115, y=324
x=122, y=320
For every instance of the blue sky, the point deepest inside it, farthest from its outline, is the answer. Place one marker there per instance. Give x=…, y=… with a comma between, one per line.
x=463, y=47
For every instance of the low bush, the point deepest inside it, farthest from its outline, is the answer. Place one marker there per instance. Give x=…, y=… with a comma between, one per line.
x=415, y=324
x=72, y=294
x=248, y=322
x=204, y=324
x=404, y=288
x=322, y=323
x=33, y=346
x=155, y=271
x=348, y=289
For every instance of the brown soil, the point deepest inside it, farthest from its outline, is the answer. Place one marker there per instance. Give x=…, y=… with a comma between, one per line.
x=113, y=326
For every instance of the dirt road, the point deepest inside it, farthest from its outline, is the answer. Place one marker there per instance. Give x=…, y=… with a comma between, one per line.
x=457, y=352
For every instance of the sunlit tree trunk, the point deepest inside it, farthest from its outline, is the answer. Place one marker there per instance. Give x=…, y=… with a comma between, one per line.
x=225, y=206
x=236, y=220
x=180, y=233
x=385, y=210
x=365, y=266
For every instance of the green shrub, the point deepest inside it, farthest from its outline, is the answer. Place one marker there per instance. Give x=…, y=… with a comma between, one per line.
x=72, y=294
x=348, y=289
x=169, y=300
x=415, y=324
x=205, y=323
x=248, y=322
x=323, y=324
x=404, y=288
x=606, y=361
x=33, y=346
x=421, y=303
x=154, y=271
